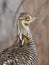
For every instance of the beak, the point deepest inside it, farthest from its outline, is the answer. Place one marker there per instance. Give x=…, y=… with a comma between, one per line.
x=33, y=19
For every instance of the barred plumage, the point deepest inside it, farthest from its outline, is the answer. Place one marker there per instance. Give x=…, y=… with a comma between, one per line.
x=26, y=55
x=17, y=55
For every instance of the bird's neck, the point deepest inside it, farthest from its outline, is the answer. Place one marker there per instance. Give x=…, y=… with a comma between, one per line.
x=23, y=25
x=25, y=29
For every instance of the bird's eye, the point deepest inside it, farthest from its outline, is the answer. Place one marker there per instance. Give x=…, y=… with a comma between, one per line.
x=27, y=18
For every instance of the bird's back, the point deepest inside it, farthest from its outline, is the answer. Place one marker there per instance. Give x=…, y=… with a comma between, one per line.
x=16, y=55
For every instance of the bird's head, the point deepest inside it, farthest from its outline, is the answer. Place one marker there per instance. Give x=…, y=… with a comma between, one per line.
x=25, y=19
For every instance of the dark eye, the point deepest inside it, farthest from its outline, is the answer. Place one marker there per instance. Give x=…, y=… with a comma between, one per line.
x=27, y=18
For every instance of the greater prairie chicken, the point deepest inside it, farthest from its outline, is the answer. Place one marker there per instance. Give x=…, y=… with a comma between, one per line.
x=23, y=51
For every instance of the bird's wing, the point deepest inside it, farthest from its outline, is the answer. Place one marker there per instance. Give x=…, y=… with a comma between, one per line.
x=15, y=55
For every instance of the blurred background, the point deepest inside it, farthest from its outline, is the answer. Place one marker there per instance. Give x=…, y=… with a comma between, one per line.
x=9, y=12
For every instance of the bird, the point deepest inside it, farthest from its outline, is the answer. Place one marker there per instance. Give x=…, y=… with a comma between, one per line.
x=24, y=50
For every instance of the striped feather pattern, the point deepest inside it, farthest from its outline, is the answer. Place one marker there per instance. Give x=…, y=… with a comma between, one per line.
x=16, y=55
